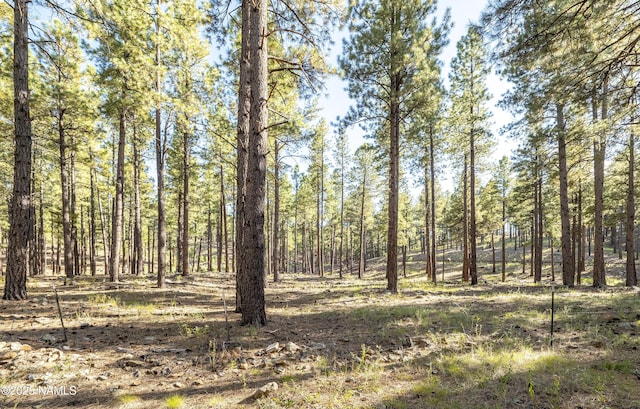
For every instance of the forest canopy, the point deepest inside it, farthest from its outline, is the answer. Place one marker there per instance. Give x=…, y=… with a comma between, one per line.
x=155, y=138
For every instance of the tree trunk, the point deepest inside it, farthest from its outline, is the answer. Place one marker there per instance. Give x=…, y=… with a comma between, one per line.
x=631, y=276
x=581, y=235
x=539, y=237
x=394, y=175
x=137, y=229
x=503, y=262
x=568, y=273
x=341, y=249
x=243, y=129
x=433, y=204
x=105, y=240
x=65, y=200
x=160, y=146
x=465, y=224
x=92, y=218
x=599, y=143
x=363, y=248
x=209, y=241
x=252, y=252
x=118, y=211
x=180, y=226
x=427, y=225
x=186, y=153
x=473, y=252
x=276, y=212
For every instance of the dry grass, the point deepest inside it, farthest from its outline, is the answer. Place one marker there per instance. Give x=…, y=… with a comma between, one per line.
x=442, y=346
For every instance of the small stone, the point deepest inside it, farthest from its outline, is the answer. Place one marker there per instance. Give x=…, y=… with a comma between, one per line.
x=280, y=370
x=394, y=357
x=291, y=347
x=8, y=356
x=275, y=347
x=349, y=379
x=132, y=363
x=178, y=385
x=104, y=376
x=124, y=350
x=265, y=390
x=48, y=338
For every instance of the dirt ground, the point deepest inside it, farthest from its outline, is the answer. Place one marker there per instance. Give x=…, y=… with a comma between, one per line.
x=329, y=343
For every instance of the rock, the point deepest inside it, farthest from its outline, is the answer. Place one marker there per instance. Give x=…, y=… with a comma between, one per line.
x=48, y=338
x=275, y=347
x=104, y=376
x=124, y=350
x=394, y=357
x=132, y=363
x=280, y=370
x=291, y=347
x=318, y=346
x=8, y=356
x=178, y=385
x=264, y=390
x=52, y=354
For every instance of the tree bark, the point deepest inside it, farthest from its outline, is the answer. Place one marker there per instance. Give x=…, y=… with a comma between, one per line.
x=186, y=158
x=394, y=175
x=276, y=212
x=465, y=224
x=433, y=204
x=242, y=146
x=252, y=254
x=427, y=225
x=631, y=276
x=138, y=253
x=65, y=199
x=118, y=211
x=92, y=218
x=473, y=251
x=568, y=273
x=160, y=146
x=503, y=244
x=599, y=276
x=363, y=248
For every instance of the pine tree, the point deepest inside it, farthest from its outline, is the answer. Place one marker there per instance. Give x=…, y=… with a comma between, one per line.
x=469, y=119
x=20, y=215
x=383, y=83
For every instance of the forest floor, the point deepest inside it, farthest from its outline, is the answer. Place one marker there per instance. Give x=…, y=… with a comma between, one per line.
x=329, y=343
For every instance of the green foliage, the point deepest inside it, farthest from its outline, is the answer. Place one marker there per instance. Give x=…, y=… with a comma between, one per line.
x=175, y=401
